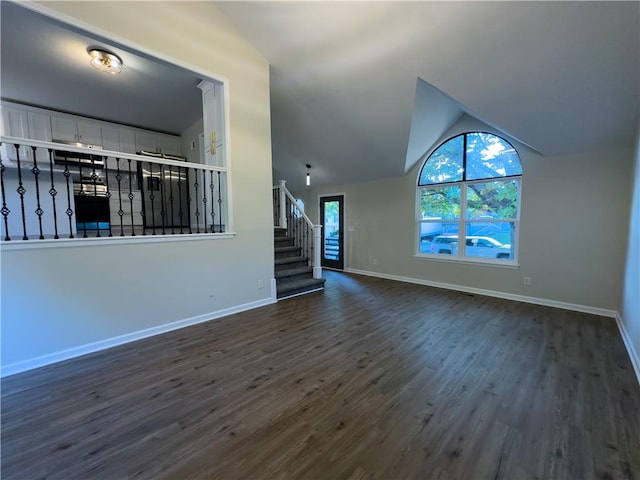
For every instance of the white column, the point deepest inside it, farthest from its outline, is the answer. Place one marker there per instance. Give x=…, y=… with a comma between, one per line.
x=283, y=205
x=317, y=239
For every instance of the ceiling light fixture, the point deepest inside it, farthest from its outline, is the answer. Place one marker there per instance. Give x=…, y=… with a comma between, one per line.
x=105, y=61
x=308, y=175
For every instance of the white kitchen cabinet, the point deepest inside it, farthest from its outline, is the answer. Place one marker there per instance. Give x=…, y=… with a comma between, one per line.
x=158, y=143
x=118, y=139
x=146, y=141
x=22, y=123
x=15, y=122
x=110, y=138
x=40, y=129
x=127, y=140
x=169, y=144
x=69, y=129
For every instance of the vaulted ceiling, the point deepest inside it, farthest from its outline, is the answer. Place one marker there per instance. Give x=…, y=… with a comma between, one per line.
x=361, y=90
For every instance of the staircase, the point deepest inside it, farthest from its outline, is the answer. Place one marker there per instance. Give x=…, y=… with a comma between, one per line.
x=293, y=274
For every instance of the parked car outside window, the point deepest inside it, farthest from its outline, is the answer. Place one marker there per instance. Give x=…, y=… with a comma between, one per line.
x=483, y=247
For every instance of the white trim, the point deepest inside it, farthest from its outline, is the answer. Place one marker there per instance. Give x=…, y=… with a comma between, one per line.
x=293, y=295
x=492, y=293
x=438, y=257
x=115, y=240
x=274, y=290
x=74, y=352
x=137, y=48
x=633, y=355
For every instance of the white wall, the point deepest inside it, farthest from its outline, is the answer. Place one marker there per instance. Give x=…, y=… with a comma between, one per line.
x=573, y=228
x=65, y=298
x=630, y=305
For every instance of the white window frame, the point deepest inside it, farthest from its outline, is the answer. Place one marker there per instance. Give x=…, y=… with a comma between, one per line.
x=460, y=255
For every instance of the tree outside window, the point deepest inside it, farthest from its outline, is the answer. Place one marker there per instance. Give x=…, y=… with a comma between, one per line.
x=468, y=199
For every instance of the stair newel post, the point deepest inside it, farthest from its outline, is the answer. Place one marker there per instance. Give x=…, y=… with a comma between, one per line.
x=283, y=204
x=317, y=238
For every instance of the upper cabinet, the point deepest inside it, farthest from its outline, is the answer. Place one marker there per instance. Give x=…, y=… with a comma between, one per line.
x=118, y=139
x=17, y=122
x=157, y=143
x=71, y=129
x=39, y=124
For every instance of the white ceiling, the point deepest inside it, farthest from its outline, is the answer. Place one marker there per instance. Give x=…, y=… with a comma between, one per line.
x=561, y=77
x=360, y=90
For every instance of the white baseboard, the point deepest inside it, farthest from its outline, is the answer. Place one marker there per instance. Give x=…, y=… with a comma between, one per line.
x=69, y=353
x=493, y=293
x=633, y=354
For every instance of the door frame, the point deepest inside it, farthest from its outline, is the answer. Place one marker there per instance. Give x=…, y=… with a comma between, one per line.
x=342, y=196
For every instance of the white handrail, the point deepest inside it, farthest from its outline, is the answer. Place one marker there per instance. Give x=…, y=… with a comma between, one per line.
x=316, y=229
x=11, y=141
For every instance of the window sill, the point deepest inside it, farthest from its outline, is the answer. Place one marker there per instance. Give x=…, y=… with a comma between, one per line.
x=468, y=260
x=85, y=242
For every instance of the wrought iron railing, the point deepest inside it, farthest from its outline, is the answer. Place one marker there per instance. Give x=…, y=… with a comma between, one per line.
x=55, y=191
x=287, y=214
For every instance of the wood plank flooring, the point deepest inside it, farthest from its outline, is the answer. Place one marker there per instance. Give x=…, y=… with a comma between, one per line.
x=370, y=379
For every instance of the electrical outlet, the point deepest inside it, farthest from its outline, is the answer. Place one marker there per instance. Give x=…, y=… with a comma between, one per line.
x=526, y=280
x=260, y=284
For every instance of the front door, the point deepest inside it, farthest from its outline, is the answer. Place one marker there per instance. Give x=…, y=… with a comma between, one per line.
x=332, y=218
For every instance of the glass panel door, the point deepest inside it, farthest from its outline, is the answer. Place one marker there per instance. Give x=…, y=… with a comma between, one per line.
x=332, y=213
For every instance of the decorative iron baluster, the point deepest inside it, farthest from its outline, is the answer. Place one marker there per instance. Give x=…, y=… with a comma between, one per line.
x=197, y=214
x=204, y=199
x=69, y=211
x=189, y=198
x=53, y=192
x=163, y=200
x=213, y=210
x=36, y=173
x=131, y=197
x=180, y=212
x=94, y=180
x=171, y=198
x=108, y=194
x=5, y=211
x=151, y=185
x=21, y=191
x=120, y=211
x=220, y=204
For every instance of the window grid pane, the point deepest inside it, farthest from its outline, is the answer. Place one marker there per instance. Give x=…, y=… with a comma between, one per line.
x=445, y=164
x=469, y=193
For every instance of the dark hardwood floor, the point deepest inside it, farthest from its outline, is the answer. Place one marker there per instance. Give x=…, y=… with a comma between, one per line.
x=368, y=379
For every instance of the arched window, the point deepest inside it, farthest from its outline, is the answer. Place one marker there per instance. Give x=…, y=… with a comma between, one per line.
x=469, y=198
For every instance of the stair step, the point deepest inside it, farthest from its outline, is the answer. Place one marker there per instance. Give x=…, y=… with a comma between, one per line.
x=287, y=252
x=297, y=287
x=293, y=272
x=283, y=241
x=285, y=262
x=279, y=232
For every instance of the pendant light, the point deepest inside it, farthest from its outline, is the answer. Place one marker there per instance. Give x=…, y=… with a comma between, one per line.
x=308, y=175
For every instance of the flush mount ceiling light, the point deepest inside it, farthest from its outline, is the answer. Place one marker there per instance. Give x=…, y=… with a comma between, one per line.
x=105, y=61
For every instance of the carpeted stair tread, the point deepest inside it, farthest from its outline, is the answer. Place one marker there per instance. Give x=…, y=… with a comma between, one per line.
x=290, y=288
x=293, y=272
x=285, y=260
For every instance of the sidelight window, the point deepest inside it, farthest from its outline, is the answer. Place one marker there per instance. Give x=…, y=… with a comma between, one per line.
x=468, y=200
